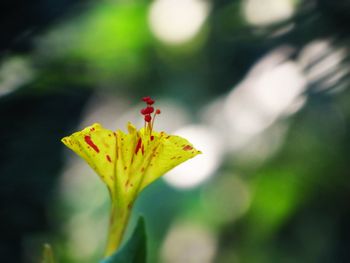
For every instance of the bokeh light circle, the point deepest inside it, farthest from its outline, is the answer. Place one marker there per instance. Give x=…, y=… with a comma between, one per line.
x=195, y=171
x=177, y=21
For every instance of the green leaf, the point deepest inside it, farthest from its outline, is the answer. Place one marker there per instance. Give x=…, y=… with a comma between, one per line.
x=134, y=251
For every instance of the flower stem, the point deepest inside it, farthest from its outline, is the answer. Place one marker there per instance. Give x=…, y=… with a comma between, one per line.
x=119, y=219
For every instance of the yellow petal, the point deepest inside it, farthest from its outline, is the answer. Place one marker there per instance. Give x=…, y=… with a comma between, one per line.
x=126, y=159
x=128, y=162
x=166, y=152
x=97, y=146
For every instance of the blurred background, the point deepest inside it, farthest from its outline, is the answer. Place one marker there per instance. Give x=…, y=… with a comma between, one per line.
x=260, y=86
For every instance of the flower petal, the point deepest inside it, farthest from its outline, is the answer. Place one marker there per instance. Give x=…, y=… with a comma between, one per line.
x=97, y=146
x=166, y=152
x=125, y=160
x=128, y=162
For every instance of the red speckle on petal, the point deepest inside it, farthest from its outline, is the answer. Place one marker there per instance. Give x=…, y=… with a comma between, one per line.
x=91, y=143
x=152, y=138
x=138, y=145
x=187, y=148
x=108, y=158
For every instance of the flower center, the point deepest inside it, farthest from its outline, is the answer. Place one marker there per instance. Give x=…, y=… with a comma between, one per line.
x=146, y=112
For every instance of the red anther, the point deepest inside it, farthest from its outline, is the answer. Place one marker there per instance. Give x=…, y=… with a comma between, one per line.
x=150, y=109
x=143, y=111
x=148, y=118
x=158, y=111
x=146, y=99
x=147, y=110
x=150, y=102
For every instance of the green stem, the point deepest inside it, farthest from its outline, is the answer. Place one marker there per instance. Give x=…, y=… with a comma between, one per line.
x=47, y=254
x=119, y=219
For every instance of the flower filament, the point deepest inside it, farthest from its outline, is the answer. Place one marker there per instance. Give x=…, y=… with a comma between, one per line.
x=146, y=112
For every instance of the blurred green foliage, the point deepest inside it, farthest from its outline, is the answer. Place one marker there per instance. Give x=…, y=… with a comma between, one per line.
x=292, y=207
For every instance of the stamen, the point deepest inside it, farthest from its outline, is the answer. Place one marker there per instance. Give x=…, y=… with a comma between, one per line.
x=145, y=99
x=154, y=116
x=148, y=118
x=146, y=112
x=150, y=109
x=150, y=102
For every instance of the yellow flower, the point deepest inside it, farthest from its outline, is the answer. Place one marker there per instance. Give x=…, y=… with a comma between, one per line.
x=128, y=162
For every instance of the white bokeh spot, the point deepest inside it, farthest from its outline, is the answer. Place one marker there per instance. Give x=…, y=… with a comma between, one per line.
x=177, y=21
x=265, y=12
x=195, y=171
